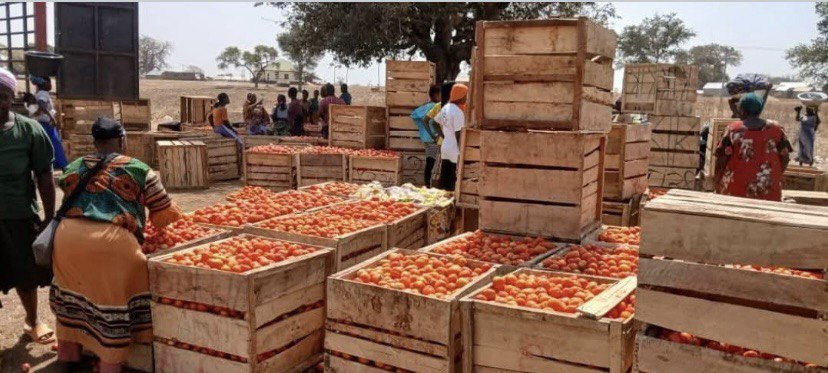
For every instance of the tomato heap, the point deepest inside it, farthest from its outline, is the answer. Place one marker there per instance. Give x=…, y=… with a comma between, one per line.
x=305, y=139
x=253, y=205
x=272, y=149
x=334, y=188
x=687, y=338
x=217, y=310
x=362, y=360
x=779, y=271
x=325, y=150
x=250, y=193
x=619, y=262
x=175, y=233
x=430, y=275
x=376, y=211
x=541, y=291
x=495, y=248
x=240, y=254
x=625, y=235
x=376, y=153
x=318, y=223
x=623, y=310
x=654, y=193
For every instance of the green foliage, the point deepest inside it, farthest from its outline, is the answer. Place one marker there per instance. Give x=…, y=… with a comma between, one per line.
x=255, y=61
x=361, y=33
x=712, y=61
x=304, y=59
x=152, y=54
x=812, y=59
x=657, y=39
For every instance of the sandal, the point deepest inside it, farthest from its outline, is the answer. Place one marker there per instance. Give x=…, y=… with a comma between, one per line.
x=41, y=333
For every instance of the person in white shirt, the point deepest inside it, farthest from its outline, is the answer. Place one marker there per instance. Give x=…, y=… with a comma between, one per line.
x=452, y=119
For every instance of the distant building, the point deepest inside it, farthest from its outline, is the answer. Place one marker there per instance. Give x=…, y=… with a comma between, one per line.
x=715, y=89
x=174, y=75
x=790, y=89
x=281, y=72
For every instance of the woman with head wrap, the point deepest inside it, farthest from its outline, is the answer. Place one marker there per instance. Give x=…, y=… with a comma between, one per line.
x=452, y=119
x=752, y=154
x=27, y=166
x=280, y=117
x=44, y=112
x=100, y=293
x=251, y=102
x=220, y=121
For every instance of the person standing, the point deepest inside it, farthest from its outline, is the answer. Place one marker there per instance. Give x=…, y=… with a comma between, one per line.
x=100, y=293
x=280, y=117
x=220, y=121
x=428, y=135
x=305, y=107
x=808, y=125
x=452, y=119
x=247, y=108
x=345, y=96
x=258, y=122
x=752, y=154
x=45, y=115
x=329, y=98
x=313, y=108
x=27, y=164
x=294, y=113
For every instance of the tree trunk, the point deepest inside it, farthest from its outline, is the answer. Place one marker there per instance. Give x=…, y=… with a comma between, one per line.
x=447, y=68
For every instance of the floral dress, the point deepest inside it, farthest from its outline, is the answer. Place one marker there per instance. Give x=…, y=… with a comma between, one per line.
x=753, y=161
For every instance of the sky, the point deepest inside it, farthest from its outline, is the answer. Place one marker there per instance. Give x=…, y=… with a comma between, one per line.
x=199, y=31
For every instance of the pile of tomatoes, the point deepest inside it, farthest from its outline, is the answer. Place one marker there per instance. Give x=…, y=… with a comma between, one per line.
x=624, y=235
x=178, y=232
x=334, y=188
x=779, y=271
x=325, y=150
x=240, y=254
x=375, y=211
x=687, y=338
x=376, y=153
x=540, y=291
x=272, y=149
x=619, y=262
x=317, y=223
x=217, y=310
x=429, y=275
x=250, y=205
x=496, y=248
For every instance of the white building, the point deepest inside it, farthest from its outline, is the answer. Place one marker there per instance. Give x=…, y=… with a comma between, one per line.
x=715, y=89
x=790, y=89
x=281, y=72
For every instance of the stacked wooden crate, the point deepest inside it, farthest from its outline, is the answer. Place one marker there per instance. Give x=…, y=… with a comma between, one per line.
x=267, y=319
x=143, y=145
x=183, y=164
x=542, y=102
x=667, y=93
x=365, y=169
x=805, y=178
x=732, y=272
x=135, y=115
x=406, y=88
x=270, y=170
x=356, y=127
x=195, y=109
x=625, y=173
x=315, y=168
x=223, y=161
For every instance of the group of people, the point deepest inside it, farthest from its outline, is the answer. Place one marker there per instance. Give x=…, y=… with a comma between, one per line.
x=286, y=119
x=439, y=123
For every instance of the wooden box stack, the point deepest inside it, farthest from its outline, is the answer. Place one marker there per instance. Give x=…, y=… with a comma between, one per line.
x=222, y=158
x=319, y=168
x=274, y=171
x=499, y=337
x=468, y=169
x=542, y=103
x=667, y=94
x=357, y=127
x=143, y=145
x=386, y=170
x=136, y=115
x=625, y=173
x=401, y=329
x=195, y=109
x=805, y=178
x=702, y=290
x=281, y=307
x=183, y=164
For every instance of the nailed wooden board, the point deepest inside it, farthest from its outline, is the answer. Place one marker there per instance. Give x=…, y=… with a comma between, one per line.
x=688, y=142
x=672, y=177
x=666, y=123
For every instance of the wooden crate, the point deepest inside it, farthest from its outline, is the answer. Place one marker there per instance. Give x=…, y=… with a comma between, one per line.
x=251, y=141
x=434, y=248
x=275, y=171
x=308, y=188
x=142, y=145
x=183, y=164
x=543, y=74
x=350, y=249
x=403, y=134
x=135, y=115
x=440, y=222
x=541, y=183
x=672, y=177
x=195, y=109
x=670, y=123
x=468, y=220
x=319, y=168
x=676, y=141
x=223, y=161
x=624, y=213
x=77, y=116
x=266, y=296
x=413, y=169
x=468, y=169
x=357, y=127
x=626, y=161
x=662, y=89
x=805, y=178
x=402, y=329
x=408, y=232
x=407, y=83
x=503, y=338
x=806, y=197
x=704, y=233
x=363, y=170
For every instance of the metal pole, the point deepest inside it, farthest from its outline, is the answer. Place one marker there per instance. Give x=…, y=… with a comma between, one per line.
x=40, y=25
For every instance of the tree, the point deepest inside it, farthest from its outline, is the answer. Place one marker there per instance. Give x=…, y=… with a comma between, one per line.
x=152, y=54
x=655, y=40
x=304, y=58
x=255, y=62
x=712, y=61
x=812, y=59
x=358, y=34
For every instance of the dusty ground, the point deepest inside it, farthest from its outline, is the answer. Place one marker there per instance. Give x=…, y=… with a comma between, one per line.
x=16, y=349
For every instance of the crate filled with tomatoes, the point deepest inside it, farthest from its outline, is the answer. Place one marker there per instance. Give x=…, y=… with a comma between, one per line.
x=367, y=165
x=509, y=251
x=242, y=304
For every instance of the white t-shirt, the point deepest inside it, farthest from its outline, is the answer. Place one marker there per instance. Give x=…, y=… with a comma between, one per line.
x=451, y=120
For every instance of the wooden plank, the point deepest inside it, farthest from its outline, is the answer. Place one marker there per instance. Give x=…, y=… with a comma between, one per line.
x=674, y=123
x=672, y=177
x=602, y=303
x=674, y=159
x=806, y=197
x=388, y=355
x=500, y=147
x=675, y=141
x=560, y=186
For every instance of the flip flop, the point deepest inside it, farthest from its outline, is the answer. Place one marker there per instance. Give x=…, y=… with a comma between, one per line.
x=41, y=333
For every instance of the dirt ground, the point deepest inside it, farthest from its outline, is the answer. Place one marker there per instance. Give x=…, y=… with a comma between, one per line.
x=16, y=349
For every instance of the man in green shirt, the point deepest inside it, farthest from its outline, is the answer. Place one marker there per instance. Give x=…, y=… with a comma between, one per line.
x=27, y=155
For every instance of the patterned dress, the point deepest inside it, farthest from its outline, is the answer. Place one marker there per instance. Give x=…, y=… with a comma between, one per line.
x=753, y=160
x=100, y=292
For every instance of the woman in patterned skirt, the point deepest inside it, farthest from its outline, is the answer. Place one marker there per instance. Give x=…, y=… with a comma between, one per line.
x=100, y=292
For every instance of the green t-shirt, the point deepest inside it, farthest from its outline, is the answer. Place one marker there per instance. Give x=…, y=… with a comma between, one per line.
x=24, y=148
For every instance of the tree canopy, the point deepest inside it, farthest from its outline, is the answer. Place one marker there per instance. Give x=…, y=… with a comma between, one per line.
x=152, y=54
x=358, y=34
x=712, y=61
x=304, y=59
x=812, y=59
x=656, y=39
x=255, y=61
